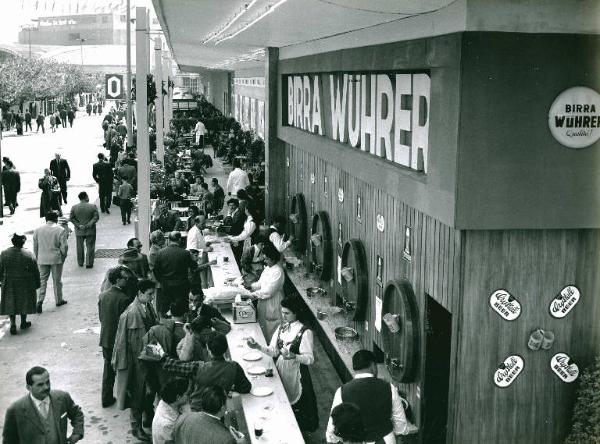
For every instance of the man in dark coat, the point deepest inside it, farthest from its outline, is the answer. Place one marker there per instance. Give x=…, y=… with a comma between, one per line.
x=88, y=109
x=63, y=117
x=84, y=217
x=204, y=427
x=19, y=123
x=60, y=169
x=28, y=121
x=111, y=304
x=103, y=175
x=41, y=416
x=71, y=117
x=11, y=181
x=40, y=123
x=20, y=279
x=171, y=268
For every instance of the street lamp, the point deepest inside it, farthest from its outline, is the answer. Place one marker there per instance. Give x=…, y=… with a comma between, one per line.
x=81, y=49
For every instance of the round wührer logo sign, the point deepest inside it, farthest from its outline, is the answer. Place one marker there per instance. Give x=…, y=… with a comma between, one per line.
x=574, y=117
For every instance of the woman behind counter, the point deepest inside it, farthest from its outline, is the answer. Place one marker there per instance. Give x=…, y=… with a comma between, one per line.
x=268, y=290
x=292, y=345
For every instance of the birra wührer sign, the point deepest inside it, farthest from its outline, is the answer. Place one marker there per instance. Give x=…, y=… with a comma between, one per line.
x=385, y=115
x=574, y=117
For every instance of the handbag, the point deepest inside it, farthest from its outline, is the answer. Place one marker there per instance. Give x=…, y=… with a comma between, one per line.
x=116, y=200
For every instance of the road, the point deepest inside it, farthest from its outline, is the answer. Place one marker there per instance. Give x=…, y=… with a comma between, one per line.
x=65, y=339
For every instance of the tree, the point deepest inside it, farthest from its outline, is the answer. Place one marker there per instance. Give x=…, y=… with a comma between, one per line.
x=24, y=79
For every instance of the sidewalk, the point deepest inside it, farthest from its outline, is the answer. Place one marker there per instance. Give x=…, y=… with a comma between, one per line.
x=65, y=340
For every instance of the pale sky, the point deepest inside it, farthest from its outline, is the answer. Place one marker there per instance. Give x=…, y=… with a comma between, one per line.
x=17, y=13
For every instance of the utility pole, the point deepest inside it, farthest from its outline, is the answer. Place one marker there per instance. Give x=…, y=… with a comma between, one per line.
x=158, y=102
x=142, y=55
x=129, y=117
x=81, y=50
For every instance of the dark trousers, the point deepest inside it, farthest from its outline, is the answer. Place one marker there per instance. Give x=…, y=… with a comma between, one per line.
x=90, y=246
x=105, y=194
x=62, y=182
x=64, y=122
x=125, y=205
x=237, y=252
x=108, y=376
x=41, y=125
x=28, y=125
x=171, y=291
x=71, y=123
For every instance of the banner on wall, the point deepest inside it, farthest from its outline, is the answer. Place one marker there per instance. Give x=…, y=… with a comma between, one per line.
x=250, y=112
x=386, y=115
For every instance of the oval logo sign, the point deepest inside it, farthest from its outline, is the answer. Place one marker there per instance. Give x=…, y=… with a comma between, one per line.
x=503, y=303
x=380, y=223
x=564, y=302
x=508, y=371
x=565, y=371
x=573, y=117
x=340, y=195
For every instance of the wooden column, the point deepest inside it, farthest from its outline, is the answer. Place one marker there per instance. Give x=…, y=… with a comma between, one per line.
x=158, y=102
x=142, y=56
x=274, y=152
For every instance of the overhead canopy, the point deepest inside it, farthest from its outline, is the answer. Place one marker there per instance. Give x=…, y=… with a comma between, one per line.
x=232, y=34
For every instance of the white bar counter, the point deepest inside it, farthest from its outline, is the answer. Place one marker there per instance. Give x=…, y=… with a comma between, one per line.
x=279, y=422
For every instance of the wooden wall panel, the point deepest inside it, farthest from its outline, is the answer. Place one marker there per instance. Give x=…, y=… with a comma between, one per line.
x=434, y=266
x=533, y=265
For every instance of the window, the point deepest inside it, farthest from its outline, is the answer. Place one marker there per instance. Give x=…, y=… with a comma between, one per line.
x=105, y=19
x=191, y=84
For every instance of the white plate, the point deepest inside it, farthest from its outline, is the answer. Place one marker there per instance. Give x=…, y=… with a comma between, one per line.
x=257, y=370
x=261, y=391
x=252, y=356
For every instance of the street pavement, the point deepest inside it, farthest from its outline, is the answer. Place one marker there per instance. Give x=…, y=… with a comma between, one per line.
x=65, y=339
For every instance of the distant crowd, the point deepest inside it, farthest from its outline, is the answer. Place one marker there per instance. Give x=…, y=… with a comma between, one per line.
x=23, y=122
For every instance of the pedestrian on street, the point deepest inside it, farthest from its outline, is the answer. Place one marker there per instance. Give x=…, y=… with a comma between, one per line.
x=99, y=108
x=50, y=249
x=53, y=122
x=88, y=109
x=84, y=217
x=122, y=129
x=63, y=116
x=39, y=120
x=103, y=174
x=71, y=117
x=111, y=304
x=20, y=279
x=171, y=268
x=57, y=119
x=125, y=194
x=41, y=416
x=134, y=323
x=11, y=181
x=60, y=169
x=50, y=198
x=28, y=121
x=19, y=123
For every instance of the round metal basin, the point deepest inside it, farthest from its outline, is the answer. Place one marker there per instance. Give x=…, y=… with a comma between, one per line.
x=315, y=291
x=349, y=333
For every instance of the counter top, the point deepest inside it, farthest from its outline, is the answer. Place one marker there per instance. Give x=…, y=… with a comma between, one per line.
x=279, y=422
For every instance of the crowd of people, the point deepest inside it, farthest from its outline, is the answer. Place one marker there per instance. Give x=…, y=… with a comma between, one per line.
x=163, y=346
x=22, y=121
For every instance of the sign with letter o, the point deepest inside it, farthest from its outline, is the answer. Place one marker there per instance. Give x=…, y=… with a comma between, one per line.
x=113, y=87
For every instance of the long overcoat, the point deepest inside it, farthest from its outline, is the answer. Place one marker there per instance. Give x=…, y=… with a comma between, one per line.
x=134, y=323
x=20, y=279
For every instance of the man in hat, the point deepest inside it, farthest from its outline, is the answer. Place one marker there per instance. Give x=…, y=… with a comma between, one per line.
x=41, y=416
x=50, y=250
x=60, y=169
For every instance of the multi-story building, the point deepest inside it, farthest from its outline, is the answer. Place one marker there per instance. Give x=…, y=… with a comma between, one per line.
x=88, y=29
